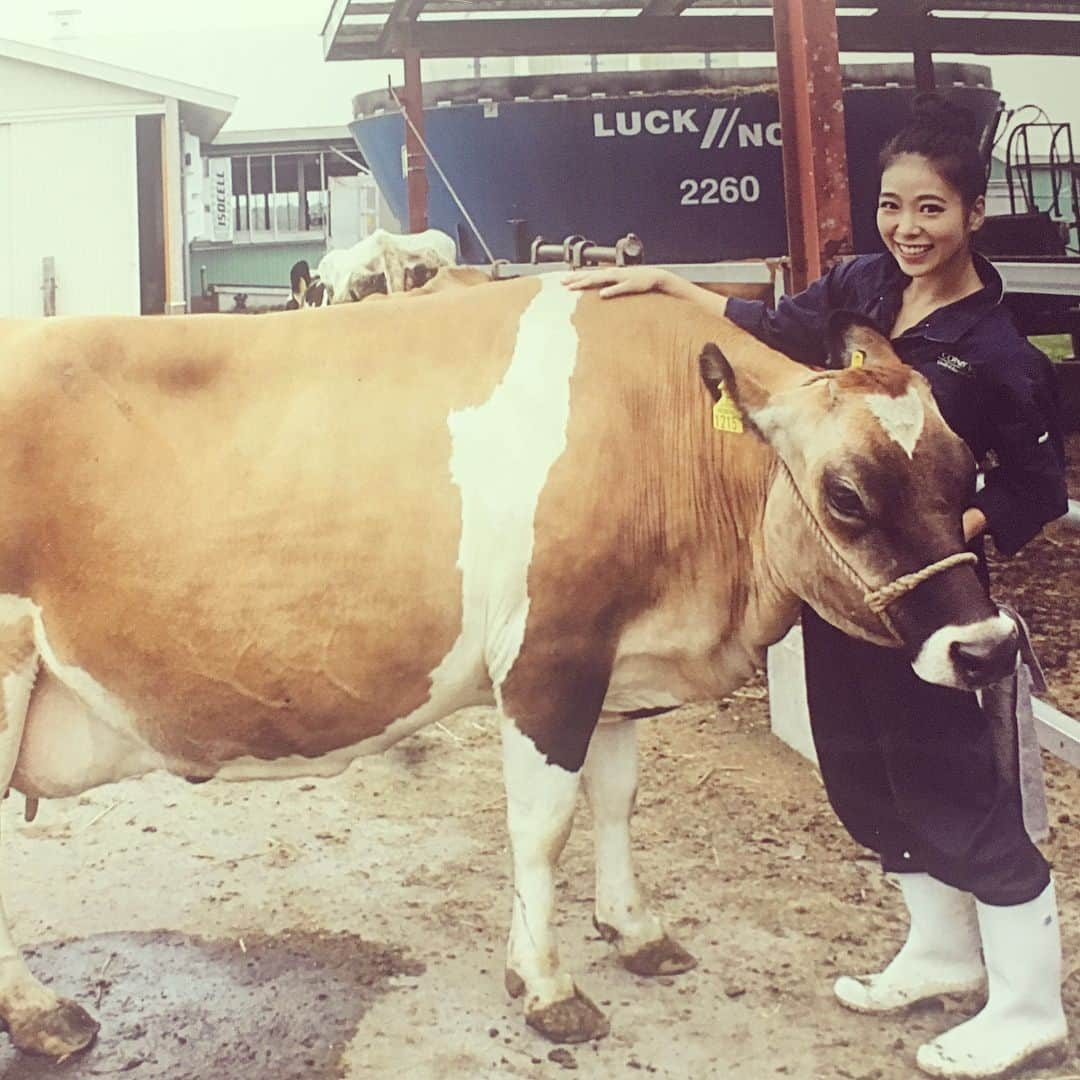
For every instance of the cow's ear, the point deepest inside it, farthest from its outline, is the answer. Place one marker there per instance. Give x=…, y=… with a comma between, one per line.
x=715, y=370
x=855, y=340
x=753, y=375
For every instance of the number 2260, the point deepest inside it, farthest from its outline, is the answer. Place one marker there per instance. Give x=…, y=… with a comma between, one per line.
x=713, y=192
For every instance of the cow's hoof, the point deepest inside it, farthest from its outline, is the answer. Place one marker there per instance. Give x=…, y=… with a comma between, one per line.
x=58, y=1033
x=573, y=1020
x=663, y=957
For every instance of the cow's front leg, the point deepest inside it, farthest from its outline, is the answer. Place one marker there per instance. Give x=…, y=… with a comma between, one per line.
x=37, y=1019
x=540, y=799
x=622, y=915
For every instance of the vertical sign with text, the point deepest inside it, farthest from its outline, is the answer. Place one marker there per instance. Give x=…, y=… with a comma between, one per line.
x=221, y=199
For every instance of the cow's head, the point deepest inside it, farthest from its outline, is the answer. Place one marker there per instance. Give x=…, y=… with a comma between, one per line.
x=870, y=491
x=317, y=294
x=299, y=283
x=418, y=275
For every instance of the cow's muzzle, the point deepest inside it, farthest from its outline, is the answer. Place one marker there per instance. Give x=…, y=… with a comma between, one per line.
x=984, y=661
x=969, y=656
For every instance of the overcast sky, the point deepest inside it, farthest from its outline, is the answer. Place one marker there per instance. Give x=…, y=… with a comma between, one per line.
x=269, y=54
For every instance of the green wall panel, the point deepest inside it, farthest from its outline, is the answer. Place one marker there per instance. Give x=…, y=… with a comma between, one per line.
x=249, y=264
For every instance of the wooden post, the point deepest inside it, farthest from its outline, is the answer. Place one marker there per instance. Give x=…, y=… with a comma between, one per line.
x=173, y=209
x=415, y=163
x=816, y=191
x=48, y=285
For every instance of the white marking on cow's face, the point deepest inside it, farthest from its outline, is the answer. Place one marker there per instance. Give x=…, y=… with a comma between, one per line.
x=902, y=418
x=502, y=453
x=934, y=662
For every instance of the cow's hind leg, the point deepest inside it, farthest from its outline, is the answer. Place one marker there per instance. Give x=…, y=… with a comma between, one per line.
x=37, y=1019
x=622, y=915
x=540, y=799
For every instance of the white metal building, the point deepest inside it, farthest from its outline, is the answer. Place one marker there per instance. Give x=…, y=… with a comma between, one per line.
x=100, y=173
x=274, y=197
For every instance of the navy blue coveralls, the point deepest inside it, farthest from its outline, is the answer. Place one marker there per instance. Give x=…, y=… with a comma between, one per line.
x=909, y=767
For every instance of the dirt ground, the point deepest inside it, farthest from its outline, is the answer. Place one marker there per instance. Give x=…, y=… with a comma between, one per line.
x=355, y=927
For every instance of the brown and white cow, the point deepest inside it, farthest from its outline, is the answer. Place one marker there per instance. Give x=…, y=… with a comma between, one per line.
x=258, y=548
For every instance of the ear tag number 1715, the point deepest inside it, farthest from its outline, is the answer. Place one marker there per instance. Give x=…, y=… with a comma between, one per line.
x=725, y=414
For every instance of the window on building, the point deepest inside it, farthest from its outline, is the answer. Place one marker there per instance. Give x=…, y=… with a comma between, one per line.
x=261, y=183
x=314, y=199
x=240, y=197
x=285, y=202
x=287, y=196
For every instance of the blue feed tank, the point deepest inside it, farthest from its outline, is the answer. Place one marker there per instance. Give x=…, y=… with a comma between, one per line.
x=688, y=160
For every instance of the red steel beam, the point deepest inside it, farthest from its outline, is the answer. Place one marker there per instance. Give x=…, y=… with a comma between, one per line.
x=812, y=121
x=415, y=161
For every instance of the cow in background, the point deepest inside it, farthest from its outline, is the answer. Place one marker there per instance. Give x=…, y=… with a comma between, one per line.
x=380, y=263
x=299, y=283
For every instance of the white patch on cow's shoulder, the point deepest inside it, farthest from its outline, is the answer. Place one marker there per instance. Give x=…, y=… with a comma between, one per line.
x=502, y=453
x=902, y=417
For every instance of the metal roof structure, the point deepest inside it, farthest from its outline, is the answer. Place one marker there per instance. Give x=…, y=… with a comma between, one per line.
x=385, y=29
x=202, y=111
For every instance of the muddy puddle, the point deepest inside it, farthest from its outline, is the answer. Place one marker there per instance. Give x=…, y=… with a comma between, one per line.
x=173, y=1007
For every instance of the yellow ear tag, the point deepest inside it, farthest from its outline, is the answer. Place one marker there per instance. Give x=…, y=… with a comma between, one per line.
x=857, y=358
x=725, y=413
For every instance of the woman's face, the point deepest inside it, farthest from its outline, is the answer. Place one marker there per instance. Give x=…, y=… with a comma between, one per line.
x=922, y=218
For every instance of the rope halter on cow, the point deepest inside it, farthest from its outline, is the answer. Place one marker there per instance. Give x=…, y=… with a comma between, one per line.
x=877, y=600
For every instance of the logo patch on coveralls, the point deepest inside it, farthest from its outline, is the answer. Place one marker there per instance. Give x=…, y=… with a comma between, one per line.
x=955, y=365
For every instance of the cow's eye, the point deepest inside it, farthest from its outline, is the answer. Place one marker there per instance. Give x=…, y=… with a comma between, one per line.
x=844, y=500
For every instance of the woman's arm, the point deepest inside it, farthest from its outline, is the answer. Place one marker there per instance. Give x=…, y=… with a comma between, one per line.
x=795, y=327
x=1026, y=489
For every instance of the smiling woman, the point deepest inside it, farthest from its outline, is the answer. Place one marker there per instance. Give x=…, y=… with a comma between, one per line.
x=931, y=203
x=911, y=769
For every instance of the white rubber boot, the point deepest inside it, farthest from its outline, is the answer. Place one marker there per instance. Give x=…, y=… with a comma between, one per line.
x=1023, y=1019
x=940, y=955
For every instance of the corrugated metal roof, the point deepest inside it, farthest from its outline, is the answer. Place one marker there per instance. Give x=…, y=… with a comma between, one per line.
x=381, y=29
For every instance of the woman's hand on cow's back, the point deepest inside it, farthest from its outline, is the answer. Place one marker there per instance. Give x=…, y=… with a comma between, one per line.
x=628, y=280
x=625, y=280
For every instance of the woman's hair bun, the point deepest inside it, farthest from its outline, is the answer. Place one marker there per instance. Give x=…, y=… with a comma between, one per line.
x=947, y=135
x=932, y=111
